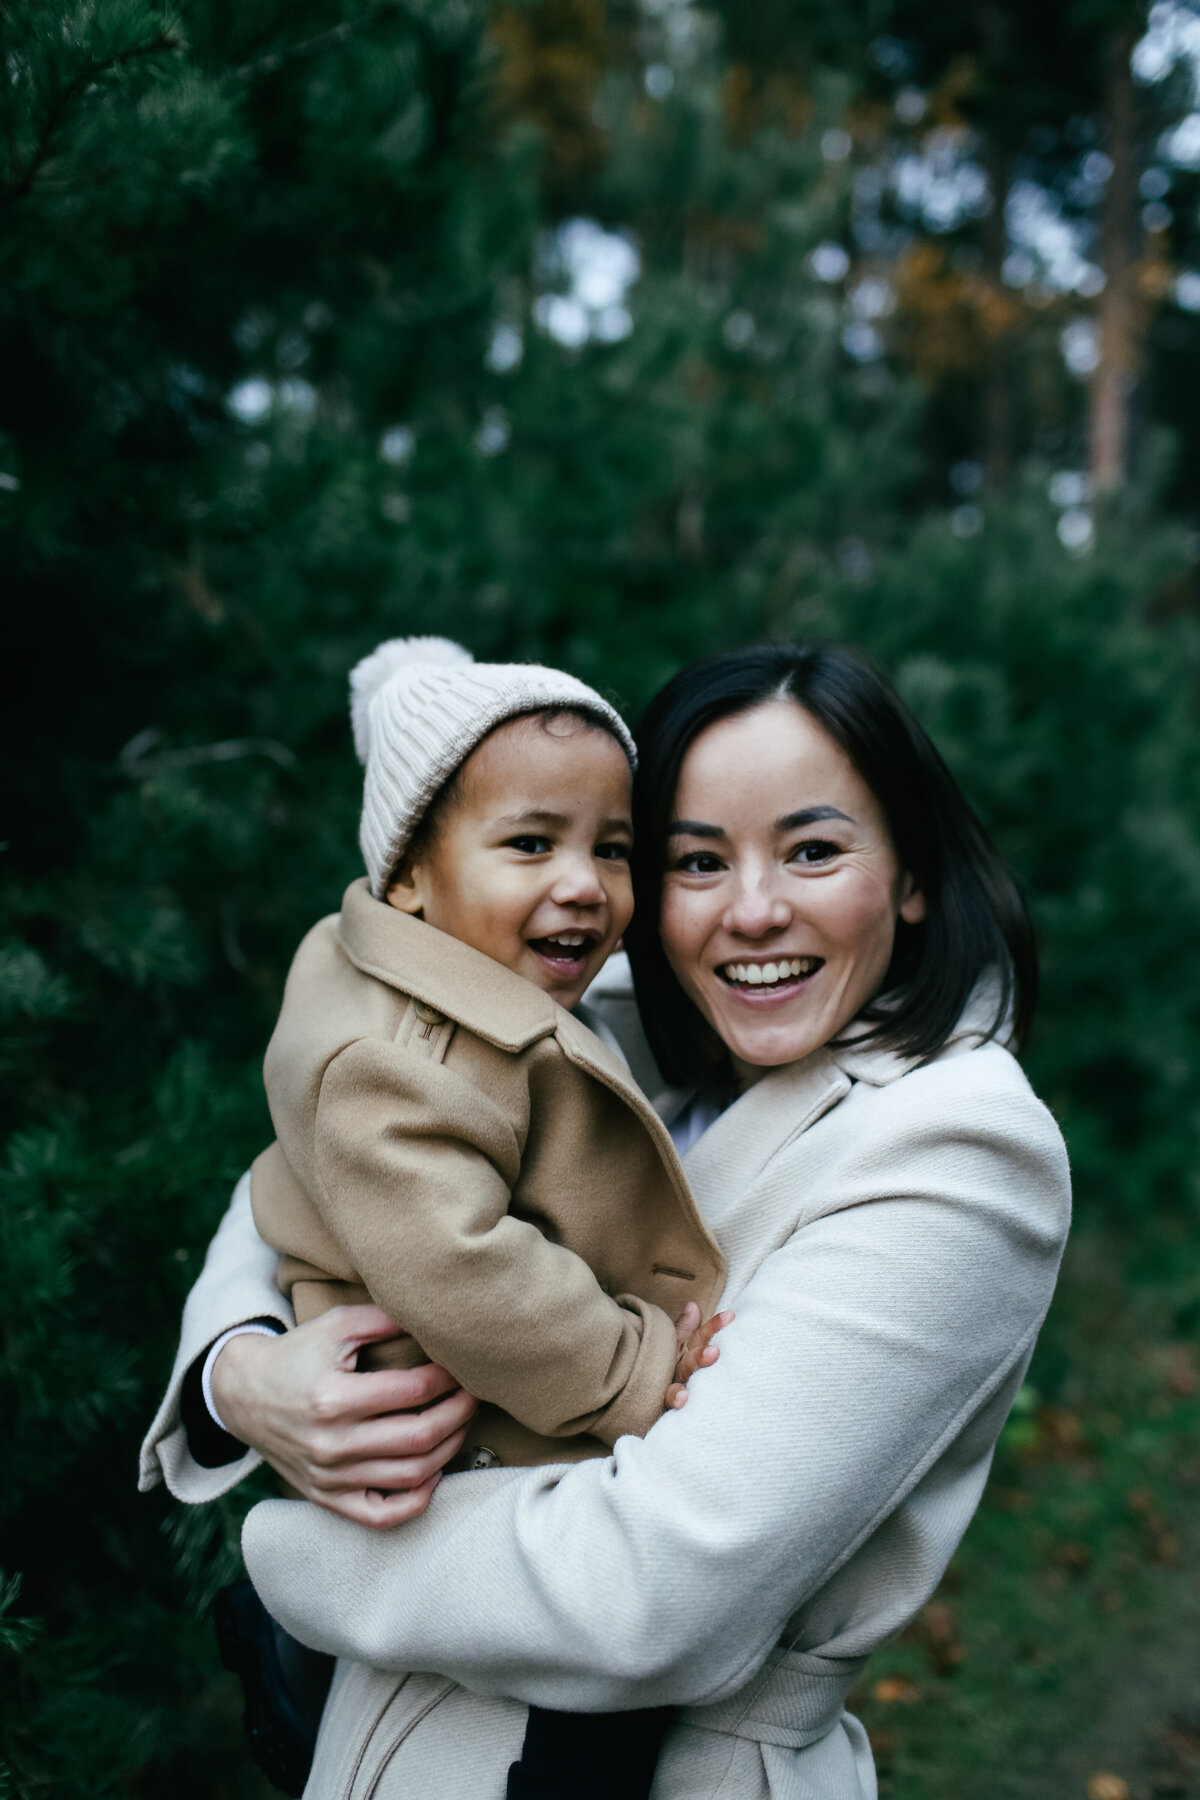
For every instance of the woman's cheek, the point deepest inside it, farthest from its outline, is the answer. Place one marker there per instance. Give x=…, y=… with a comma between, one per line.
x=862, y=923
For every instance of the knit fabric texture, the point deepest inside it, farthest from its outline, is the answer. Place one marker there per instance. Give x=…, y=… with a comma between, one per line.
x=419, y=706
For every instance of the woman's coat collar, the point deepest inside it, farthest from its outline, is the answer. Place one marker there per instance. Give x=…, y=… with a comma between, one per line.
x=747, y=1136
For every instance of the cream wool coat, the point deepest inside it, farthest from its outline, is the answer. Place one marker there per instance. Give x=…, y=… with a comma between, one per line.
x=892, y=1237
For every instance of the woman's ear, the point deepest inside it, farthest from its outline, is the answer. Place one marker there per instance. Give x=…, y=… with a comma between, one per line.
x=404, y=889
x=912, y=901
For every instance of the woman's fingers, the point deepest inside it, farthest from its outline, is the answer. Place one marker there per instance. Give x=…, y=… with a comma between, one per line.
x=397, y=1435
x=359, y=1325
x=379, y=1391
x=333, y=1433
x=391, y=1473
x=381, y=1510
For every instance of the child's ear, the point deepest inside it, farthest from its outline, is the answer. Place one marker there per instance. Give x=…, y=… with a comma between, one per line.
x=404, y=889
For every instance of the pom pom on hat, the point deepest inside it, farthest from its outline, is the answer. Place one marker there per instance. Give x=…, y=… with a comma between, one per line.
x=375, y=670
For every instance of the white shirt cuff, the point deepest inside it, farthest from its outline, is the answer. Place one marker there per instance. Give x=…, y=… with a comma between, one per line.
x=255, y=1329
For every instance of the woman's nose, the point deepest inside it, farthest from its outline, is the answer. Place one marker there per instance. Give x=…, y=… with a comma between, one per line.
x=757, y=908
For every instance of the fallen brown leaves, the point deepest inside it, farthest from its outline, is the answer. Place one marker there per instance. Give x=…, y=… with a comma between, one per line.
x=896, y=1690
x=935, y=1628
x=1103, y=1786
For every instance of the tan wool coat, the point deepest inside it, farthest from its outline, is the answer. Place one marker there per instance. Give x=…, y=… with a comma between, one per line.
x=457, y=1147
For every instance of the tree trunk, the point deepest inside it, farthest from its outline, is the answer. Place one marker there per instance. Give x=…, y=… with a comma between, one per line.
x=997, y=370
x=1117, y=315
x=995, y=31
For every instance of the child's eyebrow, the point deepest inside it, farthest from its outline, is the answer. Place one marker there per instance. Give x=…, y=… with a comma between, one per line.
x=556, y=821
x=552, y=821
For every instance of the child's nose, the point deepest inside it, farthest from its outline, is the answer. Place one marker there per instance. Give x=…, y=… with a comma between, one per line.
x=577, y=883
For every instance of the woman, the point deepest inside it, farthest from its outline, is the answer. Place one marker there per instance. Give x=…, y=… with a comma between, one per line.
x=828, y=978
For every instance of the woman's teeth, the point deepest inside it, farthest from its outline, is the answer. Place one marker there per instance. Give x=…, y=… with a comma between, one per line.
x=772, y=973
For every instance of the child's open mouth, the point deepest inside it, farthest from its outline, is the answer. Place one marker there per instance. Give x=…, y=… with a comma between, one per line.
x=567, y=953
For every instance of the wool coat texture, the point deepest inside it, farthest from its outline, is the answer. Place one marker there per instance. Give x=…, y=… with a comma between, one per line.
x=456, y=1147
x=892, y=1235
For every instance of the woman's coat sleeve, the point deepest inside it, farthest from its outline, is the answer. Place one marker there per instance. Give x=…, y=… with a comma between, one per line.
x=867, y=1350
x=236, y=1283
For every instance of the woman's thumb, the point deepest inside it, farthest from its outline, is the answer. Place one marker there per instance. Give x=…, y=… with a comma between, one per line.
x=357, y=1325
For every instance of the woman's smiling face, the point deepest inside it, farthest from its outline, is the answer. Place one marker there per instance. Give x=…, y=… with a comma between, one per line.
x=782, y=886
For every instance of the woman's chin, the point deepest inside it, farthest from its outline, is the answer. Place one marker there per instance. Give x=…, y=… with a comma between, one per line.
x=766, y=1026
x=756, y=1054
x=766, y=1043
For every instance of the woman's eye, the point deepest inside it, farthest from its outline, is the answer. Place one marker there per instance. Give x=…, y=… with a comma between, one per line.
x=528, y=845
x=613, y=852
x=699, y=862
x=814, y=850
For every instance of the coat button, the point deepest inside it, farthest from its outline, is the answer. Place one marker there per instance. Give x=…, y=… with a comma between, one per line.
x=429, y=1015
x=480, y=1457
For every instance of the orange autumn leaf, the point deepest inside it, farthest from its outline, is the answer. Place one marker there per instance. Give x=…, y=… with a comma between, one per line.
x=896, y=1690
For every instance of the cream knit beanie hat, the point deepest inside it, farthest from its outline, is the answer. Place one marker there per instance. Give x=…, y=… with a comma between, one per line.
x=419, y=706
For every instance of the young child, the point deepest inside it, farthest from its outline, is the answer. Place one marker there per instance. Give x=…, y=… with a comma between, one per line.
x=451, y=1141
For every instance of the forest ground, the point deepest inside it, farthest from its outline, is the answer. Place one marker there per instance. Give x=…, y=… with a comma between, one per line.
x=1061, y=1656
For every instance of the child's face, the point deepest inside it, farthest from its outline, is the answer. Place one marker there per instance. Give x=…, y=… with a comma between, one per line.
x=531, y=862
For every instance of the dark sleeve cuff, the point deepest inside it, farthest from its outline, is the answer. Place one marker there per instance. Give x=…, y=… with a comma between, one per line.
x=208, y=1445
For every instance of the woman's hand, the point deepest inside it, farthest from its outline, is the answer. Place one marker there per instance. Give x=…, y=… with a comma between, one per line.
x=696, y=1349
x=350, y=1442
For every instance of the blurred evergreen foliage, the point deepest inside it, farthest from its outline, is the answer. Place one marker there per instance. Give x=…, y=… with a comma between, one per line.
x=283, y=376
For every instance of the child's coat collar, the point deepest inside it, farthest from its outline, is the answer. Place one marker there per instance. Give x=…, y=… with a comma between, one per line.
x=443, y=973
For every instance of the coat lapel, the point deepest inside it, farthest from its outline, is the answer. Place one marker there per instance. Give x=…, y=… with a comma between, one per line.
x=462, y=983
x=734, y=1151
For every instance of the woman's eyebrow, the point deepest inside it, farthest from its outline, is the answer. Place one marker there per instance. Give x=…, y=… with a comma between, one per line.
x=809, y=815
x=694, y=828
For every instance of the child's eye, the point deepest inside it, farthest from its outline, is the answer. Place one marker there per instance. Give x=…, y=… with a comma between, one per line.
x=528, y=844
x=699, y=862
x=613, y=852
x=814, y=850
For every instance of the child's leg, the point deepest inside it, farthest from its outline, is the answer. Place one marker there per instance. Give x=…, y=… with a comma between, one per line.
x=284, y=1685
x=588, y=1756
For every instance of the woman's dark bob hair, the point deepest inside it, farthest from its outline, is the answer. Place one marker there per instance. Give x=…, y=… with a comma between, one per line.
x=976, y=922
